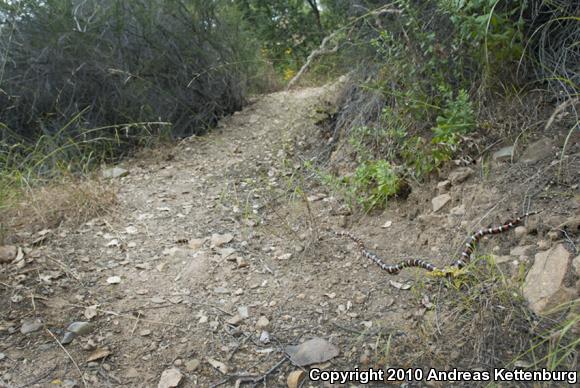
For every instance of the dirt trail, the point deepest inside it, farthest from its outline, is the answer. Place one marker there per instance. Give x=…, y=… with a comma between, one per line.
x=221, y=226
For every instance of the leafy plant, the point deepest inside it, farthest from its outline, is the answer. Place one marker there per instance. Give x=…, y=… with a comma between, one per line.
x=374, y=183
x=457, y=118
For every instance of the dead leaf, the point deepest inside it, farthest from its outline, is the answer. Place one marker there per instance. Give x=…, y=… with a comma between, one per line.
x=98, y=354
x=91, y=311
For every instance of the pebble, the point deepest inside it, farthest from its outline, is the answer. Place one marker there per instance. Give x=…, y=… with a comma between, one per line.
x=192, y=365
x=30, y=327
x=241, y=262
x=235, y=320
x=520, y=231
x=243, y=312
x=544, y=244
x=262, y=323
x=443, y=186
x=265, y=337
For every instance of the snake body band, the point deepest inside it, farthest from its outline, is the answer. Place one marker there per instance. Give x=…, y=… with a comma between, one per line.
x=463, y=260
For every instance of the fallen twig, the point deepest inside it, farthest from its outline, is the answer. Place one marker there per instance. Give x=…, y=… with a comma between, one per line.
x=69, y=356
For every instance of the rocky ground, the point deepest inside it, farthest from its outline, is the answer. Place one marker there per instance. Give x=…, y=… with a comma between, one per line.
x=220, y=258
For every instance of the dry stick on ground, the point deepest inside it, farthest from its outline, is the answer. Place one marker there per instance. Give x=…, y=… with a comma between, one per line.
x=121, y=315
x=69, y=356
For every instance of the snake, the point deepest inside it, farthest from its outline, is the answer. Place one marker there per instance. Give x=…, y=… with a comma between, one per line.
x=461, y=262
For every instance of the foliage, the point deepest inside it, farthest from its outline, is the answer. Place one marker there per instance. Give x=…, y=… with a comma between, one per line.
x=290, y=29
x=371, y=186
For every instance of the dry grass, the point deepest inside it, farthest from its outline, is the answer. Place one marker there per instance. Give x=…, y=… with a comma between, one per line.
x=482, y=321
x=71, y=201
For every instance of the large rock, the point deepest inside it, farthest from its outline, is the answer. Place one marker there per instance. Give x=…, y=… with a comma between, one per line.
x=544, y=283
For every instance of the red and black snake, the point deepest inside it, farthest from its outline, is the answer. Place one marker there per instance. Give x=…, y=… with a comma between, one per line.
x=459, y=263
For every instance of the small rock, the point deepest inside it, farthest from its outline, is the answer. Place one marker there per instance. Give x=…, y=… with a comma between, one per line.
x=576, y=265
x=68, y=338
x=221, y=290
x=115, y=172
x=443, y=186
x=114, y=280
x=170, y=378
x=572, y=225
x=7, y=253
x=440, y=201
x=30, y=326
x=68, y=383
x=460, y=175
x=235, y=320
x=503, y=154
x=243, y=312
x=80, y=328
x=265, y=337
x=387, y=224
x=196, y=243
x=523, y=250
x=285, y=256
x=145, y=333
x=544, y=244
x=520, y=232
x=359, y=297
x=537, y=151
x=458, y=211
x=226, y=252
x=295, y=378
x=554, y=235
x=241, y=262
x=502, y=259
x=192, y=365
x=220, y=366
x=262, y=323
x=217, y=240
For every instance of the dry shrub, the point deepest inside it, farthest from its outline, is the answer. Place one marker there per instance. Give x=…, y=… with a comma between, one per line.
x=70, y=202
